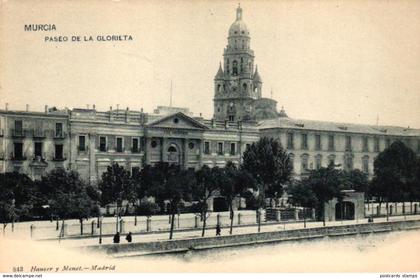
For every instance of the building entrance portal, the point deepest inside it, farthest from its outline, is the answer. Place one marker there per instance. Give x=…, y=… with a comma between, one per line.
x=344, y=211
x=173, y=154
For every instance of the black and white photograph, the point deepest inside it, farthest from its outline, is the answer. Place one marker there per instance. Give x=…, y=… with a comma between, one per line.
x=210, y=137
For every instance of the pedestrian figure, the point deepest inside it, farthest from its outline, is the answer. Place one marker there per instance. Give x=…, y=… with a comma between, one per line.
x=218, y=230
x=129, y=238
x=117, y=238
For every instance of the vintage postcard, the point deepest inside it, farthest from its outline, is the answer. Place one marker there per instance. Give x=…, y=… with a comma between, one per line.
x=210, y=136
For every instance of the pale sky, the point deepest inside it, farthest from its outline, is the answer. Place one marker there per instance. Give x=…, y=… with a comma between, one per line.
x=343, y=61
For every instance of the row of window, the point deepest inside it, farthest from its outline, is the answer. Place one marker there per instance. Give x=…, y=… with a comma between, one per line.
x=220, y=148
x=331, y=143
x=38, y=153
x=58, y=132
x=103, y=144
x=347, y=165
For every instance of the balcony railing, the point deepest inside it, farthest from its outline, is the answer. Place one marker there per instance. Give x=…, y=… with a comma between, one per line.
x=82, y=149
x=40, y=134
x=17, y=157
x=60, y=135
x=58, y=159
x=18, y=133
x=39, y=158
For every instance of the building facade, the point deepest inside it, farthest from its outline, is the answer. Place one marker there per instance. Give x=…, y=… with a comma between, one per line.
x=87, y=140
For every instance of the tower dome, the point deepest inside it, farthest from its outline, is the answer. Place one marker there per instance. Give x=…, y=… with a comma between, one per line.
x=238, y=28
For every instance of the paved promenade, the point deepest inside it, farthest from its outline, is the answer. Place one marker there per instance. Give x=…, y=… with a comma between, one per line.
x=266, y=227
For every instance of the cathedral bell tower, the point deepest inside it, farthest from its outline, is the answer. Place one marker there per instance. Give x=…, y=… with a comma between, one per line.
x=237, y=83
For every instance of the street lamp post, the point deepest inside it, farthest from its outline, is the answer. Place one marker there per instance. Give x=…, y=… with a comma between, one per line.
x=100, y=230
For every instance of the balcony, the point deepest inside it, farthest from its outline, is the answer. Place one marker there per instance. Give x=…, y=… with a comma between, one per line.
x=60, y=135
x=39, y=162
x=59, y=159
x=39, y=158
x=18, y=133
x=14, y=157
x=135, y=150
x=82, y=149
x=39, y=134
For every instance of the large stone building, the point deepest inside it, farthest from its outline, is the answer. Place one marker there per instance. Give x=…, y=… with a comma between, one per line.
x=87, y=140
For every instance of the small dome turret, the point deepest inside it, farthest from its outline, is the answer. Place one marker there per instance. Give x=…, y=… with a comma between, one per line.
x=256, y=77
x=238, y=28
x=220, y=74
x=282, y=113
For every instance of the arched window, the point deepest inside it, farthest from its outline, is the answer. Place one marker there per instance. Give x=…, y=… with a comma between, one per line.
x=235, y=68
x=365, y=165
x=331, y=160
x=244, y=87
x=172, y=149
x=219, y=87
x=348, y=163
x=292, y=160
x=242, y=65
x=318, y=161
x=304, y=163
x=227, y=66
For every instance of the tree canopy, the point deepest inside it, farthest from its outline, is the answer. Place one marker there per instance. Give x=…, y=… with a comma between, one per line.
x=395, y=173
x=16, y=196
x=269, y=164
x=67, y=195
x=116, y=185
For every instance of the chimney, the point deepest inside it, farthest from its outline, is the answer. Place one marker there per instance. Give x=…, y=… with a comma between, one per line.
x=93, y=106
x=27, y=107
x=110, y=113
x=7, y=106
x=118, y=107
x=46, y=109
x=141, y=110
x=87, y=106
x=201, y=115
x=126, y=114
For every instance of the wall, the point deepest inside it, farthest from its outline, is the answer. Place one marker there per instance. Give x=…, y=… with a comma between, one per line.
x=244, y=239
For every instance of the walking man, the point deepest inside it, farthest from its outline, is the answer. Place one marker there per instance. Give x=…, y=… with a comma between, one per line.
x=218, y=230
x=129, y=238
x=117, y=238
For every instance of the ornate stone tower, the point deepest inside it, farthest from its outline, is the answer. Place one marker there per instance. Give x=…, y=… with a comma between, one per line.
x=237, y=85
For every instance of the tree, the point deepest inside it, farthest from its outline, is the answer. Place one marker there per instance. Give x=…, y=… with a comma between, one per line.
x=205, y=188
x=116, y=185
x=270, y=166
x=232, y=183
x=16, y=197
x=395, y=173
x=67, y=195
x=168, y=182
x=300, y=194
x=355, y=180
x=325, y=183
